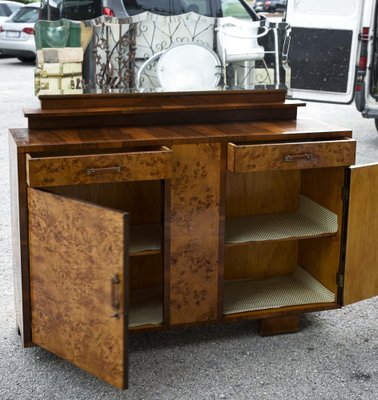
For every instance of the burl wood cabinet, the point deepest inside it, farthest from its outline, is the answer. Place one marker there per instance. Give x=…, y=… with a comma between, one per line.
x=142, y=212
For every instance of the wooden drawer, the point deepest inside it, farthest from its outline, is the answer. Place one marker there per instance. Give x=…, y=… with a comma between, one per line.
x=99, y=168
x=284, y=156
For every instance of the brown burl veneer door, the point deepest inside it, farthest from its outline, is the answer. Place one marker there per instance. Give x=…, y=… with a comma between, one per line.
x=194, y=216
x=78, y=277
x=361, y=264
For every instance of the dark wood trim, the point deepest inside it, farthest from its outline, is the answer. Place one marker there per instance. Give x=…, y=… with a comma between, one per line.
x=148, y=328
x=158, y=98
x=253, y=315
x=279, y=325
x=20, y=243
x=133, y=116
x=86, y=141
x=222, y=221
x=280, y=312
x=126, y=300
x=166, y=250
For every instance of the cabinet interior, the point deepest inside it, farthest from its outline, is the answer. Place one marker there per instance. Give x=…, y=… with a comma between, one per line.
x=282, y=239
x=143, y=201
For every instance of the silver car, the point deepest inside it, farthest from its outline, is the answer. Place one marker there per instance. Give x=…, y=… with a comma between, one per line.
x=17, y=33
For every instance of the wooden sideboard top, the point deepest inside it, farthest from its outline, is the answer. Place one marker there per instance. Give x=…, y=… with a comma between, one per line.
x=133, y=109
x=30, y=140
x=161, y=99
x=92, y=121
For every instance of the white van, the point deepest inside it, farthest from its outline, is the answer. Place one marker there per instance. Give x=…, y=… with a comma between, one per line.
x=333, y=55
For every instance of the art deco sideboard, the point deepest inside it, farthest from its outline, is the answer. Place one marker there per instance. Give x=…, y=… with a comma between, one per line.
x=162, y=210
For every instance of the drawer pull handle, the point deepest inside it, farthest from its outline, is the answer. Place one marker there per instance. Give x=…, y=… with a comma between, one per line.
x=92, y=171
x=115, y=296
x=298, y=157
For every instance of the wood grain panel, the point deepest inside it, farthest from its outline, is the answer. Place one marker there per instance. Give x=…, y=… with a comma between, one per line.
x=166, y=194
x=99, y=168
x=262, y=193
x=261, y=260
x=157, y=108
x=146, y=271
x=162, y=98
x=20, y=243
x=90, y=139
x=97, y=117
x=361, y=264
x=279, y=325
x=321, y=257
x=301, y=155
x=75, y=249
x=141, y=199
x=195, y=193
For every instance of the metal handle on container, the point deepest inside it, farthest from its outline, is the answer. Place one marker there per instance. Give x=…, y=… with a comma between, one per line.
x=299, y=157
x=115, y=296
x=92, y=171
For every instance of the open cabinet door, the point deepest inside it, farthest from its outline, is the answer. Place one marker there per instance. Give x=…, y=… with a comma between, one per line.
x=361, y=262
x=323, y=49
x=78, y=278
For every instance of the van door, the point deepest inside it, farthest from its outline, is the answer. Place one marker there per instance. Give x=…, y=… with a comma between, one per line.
x=323, y=51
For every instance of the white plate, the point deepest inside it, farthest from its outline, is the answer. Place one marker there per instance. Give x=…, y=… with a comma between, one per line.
x=188, y=66
x=13, y=34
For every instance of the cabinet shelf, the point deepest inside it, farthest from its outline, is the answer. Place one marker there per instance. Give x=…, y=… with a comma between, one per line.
x=146, y=307
x=308, y=221
x=145, y=239
x=298, y=288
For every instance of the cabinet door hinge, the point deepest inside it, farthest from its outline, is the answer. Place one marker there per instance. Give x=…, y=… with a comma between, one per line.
x=345, y=193
x=340, y=280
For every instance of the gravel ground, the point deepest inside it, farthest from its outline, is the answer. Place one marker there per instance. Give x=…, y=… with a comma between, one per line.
x=333, y=357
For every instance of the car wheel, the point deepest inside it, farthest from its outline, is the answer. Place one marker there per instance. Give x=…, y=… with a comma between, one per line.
x=26, y=59
x=376, y=123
